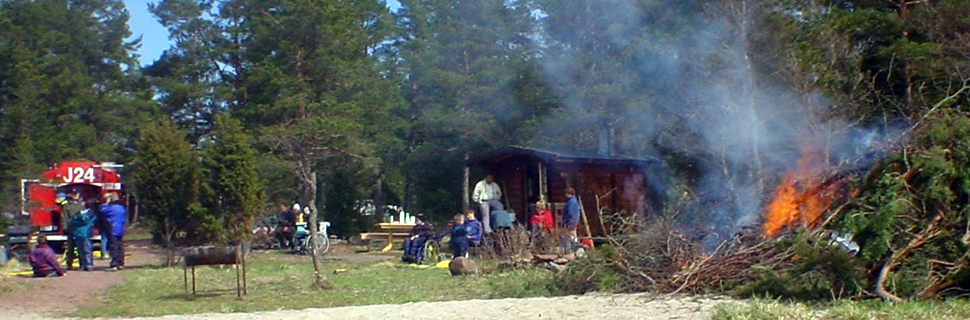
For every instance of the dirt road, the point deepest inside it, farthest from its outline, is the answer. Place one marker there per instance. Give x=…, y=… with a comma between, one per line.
x=79, y=288
x=598, y=307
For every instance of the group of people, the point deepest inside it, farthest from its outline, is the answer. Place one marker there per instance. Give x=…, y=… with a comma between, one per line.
x=78, y=220
x=468, y=232
x=287, y=225
x=487, y=195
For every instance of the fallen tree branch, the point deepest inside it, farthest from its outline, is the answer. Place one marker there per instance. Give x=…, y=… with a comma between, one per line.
x=931, y=231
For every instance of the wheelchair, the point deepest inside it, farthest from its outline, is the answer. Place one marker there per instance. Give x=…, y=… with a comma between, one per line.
x=430, y=252
x=303, y=239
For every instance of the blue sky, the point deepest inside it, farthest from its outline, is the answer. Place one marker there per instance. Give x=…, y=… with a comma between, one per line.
x=154, y=39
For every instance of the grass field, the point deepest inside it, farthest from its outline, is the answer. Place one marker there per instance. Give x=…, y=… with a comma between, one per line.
x=954, y=309
x=281, y=281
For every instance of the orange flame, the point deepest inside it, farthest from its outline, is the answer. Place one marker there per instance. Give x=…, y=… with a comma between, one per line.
x=801, y=199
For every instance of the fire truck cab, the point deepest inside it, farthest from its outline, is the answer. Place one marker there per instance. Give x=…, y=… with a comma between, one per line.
x=41, y=198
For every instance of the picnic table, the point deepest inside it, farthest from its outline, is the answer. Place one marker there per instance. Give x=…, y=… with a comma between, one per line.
x=392, y=232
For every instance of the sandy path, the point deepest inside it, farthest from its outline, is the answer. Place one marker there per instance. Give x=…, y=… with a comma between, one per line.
x=77, y=288
x=598, y=307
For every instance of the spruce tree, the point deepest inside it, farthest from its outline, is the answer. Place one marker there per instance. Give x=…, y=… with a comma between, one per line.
x=165, y=172
x=233, y=192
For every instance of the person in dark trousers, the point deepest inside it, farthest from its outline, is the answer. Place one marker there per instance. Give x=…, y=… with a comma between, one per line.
x=104, y=229
x=71, y=207
x=81, y=227
x=475, y=229
x=117, y=217
x=502, y=222
x=570, y=216
x=287, y=227
x=488, y=195
x=44, y=261
x=412, y=245
x=459, y=238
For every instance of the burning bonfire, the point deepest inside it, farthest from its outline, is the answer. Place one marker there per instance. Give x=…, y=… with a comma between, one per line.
x=802, y=198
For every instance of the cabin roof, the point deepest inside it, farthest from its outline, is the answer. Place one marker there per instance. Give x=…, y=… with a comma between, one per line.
x=548, y=155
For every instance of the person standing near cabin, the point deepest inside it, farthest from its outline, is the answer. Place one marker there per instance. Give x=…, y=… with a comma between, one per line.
x=117, y=217
x=69, y=209
x=487, y=194
x=570, y=215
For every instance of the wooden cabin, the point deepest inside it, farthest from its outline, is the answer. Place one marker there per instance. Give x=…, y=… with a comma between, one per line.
x=617, y=184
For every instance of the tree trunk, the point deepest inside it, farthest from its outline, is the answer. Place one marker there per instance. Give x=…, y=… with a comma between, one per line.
x=134, y=211
x=466, y=176
x=408, y=192
x=379, y=199
x=319, y=278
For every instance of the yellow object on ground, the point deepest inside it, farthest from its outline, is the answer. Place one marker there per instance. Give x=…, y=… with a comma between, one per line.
x=19, y=273
x=388, y=247
x=443, y=264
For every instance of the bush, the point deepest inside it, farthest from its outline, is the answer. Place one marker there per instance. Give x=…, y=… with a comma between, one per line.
x=593, y=273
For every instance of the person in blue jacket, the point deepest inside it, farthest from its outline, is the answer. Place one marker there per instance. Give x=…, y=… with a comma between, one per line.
x=570, y=215
x=475, y=229
x=81, y=225
x=117, y=216
x=459, y=238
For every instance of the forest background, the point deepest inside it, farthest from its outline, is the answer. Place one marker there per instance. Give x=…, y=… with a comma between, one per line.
x=329, y=103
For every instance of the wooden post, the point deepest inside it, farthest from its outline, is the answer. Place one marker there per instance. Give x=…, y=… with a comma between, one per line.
x=582, y=212
x=244, y=274
x=185, y=276
x=465, y=181
x=193, y=280
x=238, y=284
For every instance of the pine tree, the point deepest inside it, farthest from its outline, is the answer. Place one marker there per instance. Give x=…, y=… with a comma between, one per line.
x=69, y=88
x=459, y=60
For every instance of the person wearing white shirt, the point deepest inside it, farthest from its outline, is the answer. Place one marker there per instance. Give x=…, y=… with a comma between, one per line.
x=487, y=194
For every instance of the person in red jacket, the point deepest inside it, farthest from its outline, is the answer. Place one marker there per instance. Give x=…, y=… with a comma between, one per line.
x=541, y=218
x=44, y=261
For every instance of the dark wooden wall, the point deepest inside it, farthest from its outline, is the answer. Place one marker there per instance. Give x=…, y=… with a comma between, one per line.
x=518, y=178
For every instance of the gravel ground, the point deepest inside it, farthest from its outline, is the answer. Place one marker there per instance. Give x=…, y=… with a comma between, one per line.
x=592, y=307
x=598, y=307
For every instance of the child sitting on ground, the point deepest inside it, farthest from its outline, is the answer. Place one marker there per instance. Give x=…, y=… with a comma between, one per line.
x=459, y=237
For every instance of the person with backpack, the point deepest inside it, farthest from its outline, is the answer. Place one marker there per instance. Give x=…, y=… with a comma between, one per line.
x=70, y=207
x=81, y=227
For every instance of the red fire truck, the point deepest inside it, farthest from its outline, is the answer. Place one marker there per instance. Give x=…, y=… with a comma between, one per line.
x=41, y=197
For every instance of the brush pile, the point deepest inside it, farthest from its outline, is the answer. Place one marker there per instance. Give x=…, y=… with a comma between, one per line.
x=901, y=233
